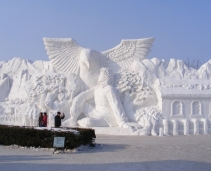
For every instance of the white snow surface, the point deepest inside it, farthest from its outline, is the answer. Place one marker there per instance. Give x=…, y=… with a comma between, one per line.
x=116, y=153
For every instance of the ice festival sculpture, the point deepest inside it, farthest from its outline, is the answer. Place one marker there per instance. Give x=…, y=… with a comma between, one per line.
x=118, y=91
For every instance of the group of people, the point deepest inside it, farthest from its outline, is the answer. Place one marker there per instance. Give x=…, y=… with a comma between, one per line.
x=57, y=119
x=43, y=119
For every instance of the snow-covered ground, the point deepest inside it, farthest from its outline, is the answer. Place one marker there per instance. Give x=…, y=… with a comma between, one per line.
x=117, y=153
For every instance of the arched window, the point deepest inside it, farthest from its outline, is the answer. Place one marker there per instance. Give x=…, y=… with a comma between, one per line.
x=196, y=108
x=176, y=108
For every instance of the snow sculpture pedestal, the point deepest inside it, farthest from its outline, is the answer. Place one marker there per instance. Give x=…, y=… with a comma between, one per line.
x=112, y=131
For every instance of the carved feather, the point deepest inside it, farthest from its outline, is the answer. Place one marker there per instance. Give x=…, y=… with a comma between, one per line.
x=64, y=53
x=126, y=52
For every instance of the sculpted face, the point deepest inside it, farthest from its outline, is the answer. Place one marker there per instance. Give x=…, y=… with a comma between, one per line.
x=105, y=75
x=102, y=77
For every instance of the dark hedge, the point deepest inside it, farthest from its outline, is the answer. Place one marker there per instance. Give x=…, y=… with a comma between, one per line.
x=30, y=137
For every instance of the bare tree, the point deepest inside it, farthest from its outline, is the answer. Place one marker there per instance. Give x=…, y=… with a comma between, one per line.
x=193, y=63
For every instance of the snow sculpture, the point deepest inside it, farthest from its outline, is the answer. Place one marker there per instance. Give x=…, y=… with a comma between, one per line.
x=175, y=127
x=186, y=126
x=165, y=127
x=205, y=125
x=67, y=56
x=4, y=86
x=148, y=118
x=34, y=115
x=118, y=88
x=196, y=108
x=108, y=110
x=161, y=134
x=196, y=126
x=176, y=108
x=9, y=114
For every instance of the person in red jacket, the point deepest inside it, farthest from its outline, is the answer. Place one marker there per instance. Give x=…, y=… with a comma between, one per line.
x=45, y=118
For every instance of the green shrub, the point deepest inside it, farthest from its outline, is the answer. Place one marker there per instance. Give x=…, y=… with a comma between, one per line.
x=30, y=137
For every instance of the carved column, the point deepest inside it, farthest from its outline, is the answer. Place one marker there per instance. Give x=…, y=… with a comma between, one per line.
x=161, y=132
x=175, y=127
x=196, y=126
x=186, y=126
x=205, y=125
x=165, y=127
x=153, y=131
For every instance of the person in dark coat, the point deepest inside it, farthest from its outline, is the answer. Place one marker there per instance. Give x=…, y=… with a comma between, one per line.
x=40, y=119
x=57, y=119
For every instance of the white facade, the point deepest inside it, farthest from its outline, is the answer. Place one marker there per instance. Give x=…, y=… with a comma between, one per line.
x=186, y=106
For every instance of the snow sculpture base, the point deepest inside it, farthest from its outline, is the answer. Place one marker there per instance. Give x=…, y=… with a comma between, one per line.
x=112, y=131
x=129, y=131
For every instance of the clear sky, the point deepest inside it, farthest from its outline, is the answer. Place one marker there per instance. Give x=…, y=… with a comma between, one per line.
x=182, y=29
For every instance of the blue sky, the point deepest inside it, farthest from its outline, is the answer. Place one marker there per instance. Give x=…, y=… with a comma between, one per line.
x=182, y=29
